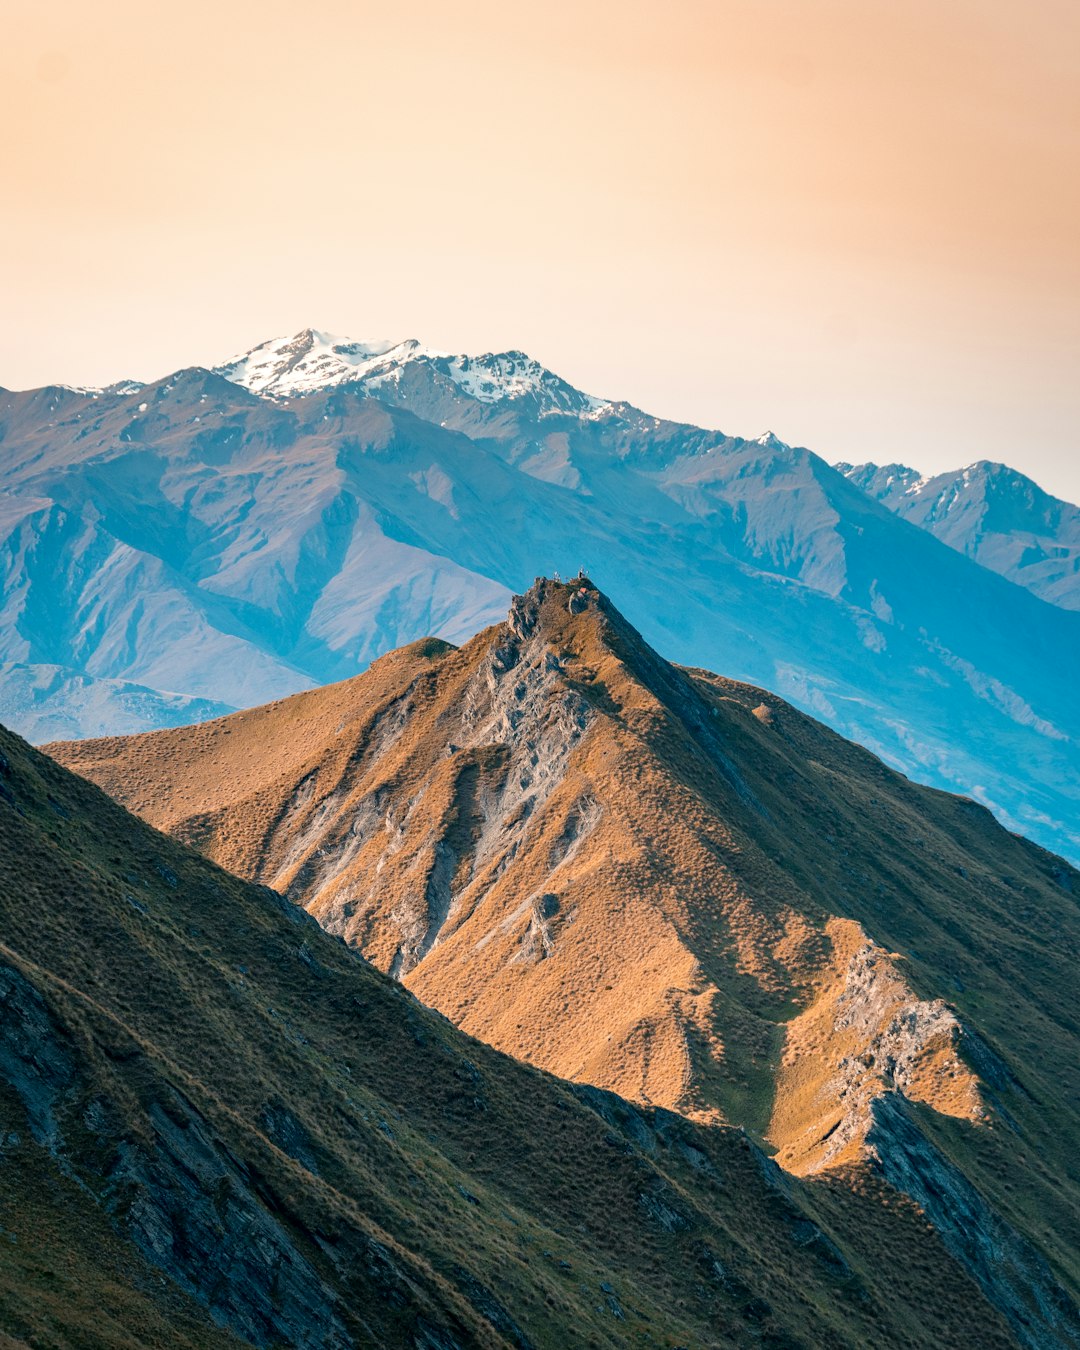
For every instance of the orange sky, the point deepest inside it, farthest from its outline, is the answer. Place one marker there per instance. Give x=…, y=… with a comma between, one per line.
x=852, y=221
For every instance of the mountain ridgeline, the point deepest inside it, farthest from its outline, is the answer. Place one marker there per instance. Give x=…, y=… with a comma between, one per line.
x=214, y=540
x=657, y=882
x=993, y=514
x=219, y=1127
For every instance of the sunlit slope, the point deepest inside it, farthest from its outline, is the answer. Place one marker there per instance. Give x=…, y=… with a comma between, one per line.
x=221, y=1127
x=678, y=888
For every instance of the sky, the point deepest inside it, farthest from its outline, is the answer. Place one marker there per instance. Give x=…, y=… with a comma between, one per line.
x=853, y=222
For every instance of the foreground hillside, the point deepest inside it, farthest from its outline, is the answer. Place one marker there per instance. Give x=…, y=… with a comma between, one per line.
x=219, y=1127
x=204, y=543
x=666, y=884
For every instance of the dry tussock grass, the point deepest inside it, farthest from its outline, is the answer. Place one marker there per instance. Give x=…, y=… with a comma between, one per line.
x=672, y=916
x=174, y=985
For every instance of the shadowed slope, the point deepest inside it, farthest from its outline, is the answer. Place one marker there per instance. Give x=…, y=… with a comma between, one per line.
x=676, y=887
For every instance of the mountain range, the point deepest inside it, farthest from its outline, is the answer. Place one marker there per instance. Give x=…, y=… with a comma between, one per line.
x=663, y=884
x=991, y=513
x=217, y=539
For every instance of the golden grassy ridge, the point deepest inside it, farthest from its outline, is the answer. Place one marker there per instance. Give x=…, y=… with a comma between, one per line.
x=220, y=1127
x=666, y=884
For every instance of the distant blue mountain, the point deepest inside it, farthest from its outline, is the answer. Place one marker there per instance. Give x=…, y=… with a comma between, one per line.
x=203, y=540
x=993, y=514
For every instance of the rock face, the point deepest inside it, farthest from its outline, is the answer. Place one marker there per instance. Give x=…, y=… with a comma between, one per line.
x=865, y=1035
x=34, y=1061
x=205, y=543
x=187, y=1205
x=515, y=728
x=219, y=1127
x=664, y=884
x=192, y=1212
x=1010, y=1270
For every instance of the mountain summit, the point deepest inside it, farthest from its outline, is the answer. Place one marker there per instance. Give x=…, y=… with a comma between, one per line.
x=191, y=546
x=992, y=513
x=664, y=883
x=313, y=360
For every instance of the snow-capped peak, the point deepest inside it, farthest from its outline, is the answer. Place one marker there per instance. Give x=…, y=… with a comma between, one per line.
x=312, y=360
x=496, y=376
x=289, y=367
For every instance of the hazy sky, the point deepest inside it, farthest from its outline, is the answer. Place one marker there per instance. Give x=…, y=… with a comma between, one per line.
x=855, y=222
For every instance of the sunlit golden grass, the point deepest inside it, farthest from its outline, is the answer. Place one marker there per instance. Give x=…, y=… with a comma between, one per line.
x=691, y=944
x=174, y=985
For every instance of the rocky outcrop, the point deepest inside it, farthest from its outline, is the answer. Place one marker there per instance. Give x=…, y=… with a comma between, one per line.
x=856, y=1065
x=507, y=740
x=206, y=1219
x=35, y=1060
x=866, y=1035
x=192, y=1211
